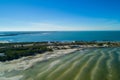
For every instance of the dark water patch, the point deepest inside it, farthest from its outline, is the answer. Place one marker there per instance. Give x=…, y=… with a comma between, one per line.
x=60, y=36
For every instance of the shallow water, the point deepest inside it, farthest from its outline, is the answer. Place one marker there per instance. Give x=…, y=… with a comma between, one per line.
x=91, y=64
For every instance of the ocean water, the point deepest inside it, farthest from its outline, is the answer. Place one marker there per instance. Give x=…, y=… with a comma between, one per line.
x=60, y=36
x=90, y=64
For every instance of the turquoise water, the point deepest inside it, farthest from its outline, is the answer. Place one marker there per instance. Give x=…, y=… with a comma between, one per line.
x=90, y=64
x=60, y=36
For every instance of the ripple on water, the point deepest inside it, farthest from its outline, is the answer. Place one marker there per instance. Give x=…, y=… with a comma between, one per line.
x=92, y=64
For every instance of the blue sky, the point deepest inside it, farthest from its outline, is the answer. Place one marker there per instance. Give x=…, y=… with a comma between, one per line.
x=59, y=15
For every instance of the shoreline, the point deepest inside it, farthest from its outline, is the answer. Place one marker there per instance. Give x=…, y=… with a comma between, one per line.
x=27, y=62
x=11, y=51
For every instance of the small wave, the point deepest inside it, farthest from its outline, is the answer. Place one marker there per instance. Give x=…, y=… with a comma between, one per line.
x=45, y=33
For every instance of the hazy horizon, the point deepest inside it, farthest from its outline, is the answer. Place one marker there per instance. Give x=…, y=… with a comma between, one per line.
x=59, y=15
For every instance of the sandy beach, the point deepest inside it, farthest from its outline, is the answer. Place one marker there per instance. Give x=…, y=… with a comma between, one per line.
x=27, y=62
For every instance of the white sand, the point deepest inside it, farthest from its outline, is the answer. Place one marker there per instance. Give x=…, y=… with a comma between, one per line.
x=12, y=78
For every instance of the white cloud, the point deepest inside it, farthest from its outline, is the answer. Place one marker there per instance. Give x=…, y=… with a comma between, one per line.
x=99, y=24
x=40, y=24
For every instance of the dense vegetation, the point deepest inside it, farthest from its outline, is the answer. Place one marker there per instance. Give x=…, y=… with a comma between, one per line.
x=15, y=52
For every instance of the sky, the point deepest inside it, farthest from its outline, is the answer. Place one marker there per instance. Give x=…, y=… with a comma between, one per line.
x=59, y=15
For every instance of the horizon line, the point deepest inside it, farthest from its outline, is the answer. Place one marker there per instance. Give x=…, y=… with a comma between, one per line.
x=55, y=30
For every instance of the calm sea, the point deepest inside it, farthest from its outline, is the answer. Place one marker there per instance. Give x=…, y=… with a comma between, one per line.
x=60, y=36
